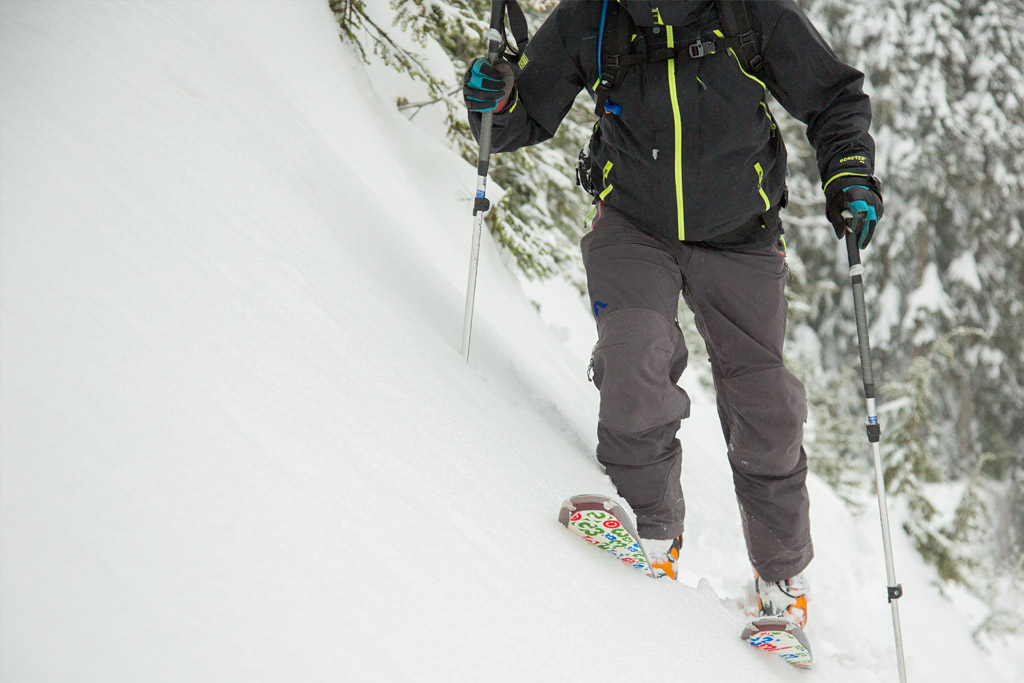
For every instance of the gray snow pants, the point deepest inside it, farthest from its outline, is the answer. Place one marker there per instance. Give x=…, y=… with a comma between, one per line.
x=739, y=306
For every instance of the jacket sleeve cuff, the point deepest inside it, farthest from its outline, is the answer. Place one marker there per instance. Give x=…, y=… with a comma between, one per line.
x=846, y=168
x=844, y=179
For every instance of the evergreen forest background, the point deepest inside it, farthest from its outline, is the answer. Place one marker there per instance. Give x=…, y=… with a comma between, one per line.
x=945, y=272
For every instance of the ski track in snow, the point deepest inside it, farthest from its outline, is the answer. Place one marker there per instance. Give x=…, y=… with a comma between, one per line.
x=239, y=441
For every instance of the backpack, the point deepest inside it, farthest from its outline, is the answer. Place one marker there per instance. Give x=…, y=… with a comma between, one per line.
x=615, y=36
x=614, y=60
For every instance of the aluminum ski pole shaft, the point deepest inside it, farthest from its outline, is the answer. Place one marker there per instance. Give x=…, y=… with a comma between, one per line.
x=481, y=204
x=895, y=590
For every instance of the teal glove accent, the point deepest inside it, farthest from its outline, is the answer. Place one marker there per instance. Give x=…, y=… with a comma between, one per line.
x=487, y=87
x=863, y=204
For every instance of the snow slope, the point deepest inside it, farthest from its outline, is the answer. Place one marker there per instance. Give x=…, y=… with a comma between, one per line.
x=238, y=440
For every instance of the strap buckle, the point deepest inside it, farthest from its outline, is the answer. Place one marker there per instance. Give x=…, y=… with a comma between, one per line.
x=609, y=71
x=701, y=48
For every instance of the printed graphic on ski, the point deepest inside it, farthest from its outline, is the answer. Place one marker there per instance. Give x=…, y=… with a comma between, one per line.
x=601, y=521
x=780, y=637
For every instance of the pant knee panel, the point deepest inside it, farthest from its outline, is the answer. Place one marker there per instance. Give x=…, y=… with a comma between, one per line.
x=766, y=411
x=638, y=359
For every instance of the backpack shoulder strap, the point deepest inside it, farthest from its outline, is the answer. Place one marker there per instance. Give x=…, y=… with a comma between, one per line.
x=615, y=39
x=737, y=26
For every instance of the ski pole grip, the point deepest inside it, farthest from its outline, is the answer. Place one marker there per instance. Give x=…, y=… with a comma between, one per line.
x=493, y=46
x=496, y=32
x=498, y=15
x=859, y=309
x=852, y=250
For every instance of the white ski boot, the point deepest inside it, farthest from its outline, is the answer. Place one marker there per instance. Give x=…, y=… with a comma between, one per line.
x=663, y=555
x=785, y=599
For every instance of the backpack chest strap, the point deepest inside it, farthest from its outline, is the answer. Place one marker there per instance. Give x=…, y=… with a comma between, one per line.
x=615, y=53
x=702, y=47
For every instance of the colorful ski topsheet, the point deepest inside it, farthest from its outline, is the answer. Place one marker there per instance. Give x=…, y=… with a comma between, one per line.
x=600, y=521
x=782, y=638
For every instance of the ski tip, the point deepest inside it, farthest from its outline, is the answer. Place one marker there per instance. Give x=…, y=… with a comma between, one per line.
x=585, y=500
x=601, y=522
x=780, y=637
x=567, y=511
x=769, y=624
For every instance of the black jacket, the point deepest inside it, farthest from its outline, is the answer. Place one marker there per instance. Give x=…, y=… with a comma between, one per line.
x=695, y=154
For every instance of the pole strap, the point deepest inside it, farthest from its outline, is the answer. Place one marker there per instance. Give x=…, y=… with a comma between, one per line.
x=517, y=23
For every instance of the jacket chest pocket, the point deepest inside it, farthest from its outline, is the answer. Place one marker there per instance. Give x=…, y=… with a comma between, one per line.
x=730, y=95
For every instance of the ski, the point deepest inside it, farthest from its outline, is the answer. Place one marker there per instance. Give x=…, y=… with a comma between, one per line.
x=601, y=521
x=781, y=638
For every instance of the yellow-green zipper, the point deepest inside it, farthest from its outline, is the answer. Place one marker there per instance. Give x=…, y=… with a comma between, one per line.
x=760, y=189
x=678, y=147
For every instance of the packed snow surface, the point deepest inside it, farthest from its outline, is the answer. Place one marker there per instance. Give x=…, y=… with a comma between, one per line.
x=239, y=442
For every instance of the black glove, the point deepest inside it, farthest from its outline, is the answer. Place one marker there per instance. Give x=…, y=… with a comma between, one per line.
x=862, y=197
x=488, y=87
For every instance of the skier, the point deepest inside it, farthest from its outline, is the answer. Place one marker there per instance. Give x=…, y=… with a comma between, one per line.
x=688, y=172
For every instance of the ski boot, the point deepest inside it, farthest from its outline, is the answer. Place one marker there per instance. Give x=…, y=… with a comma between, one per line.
x=663, y=555
x=784, y=599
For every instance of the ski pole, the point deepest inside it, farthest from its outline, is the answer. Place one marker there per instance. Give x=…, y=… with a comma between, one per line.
x=874, y=431
x=481, y=204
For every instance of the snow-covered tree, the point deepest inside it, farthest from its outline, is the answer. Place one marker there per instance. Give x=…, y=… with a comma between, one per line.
x=945, y=275
x=540, y=217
